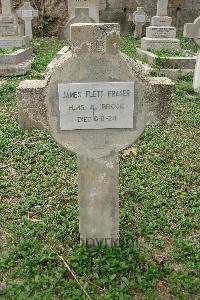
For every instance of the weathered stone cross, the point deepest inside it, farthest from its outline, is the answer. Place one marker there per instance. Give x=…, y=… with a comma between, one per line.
x=192, y=30
x=6, y=7
x=139, y=18
x=27, y=13
x=95, y=101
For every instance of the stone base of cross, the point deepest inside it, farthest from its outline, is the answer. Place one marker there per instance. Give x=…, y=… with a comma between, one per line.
x=95, y=101
x=192, y=30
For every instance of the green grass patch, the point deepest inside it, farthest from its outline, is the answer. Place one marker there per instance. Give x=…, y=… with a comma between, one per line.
x=168, y=53
x=159, y=254
x=128, y=45
x=7, y=51
x=187, y=44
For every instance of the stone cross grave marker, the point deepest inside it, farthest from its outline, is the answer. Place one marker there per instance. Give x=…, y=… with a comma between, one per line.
x=139, y=18
x=27, y=13
x=6, y=7
x=95, y=101
x=192, y=30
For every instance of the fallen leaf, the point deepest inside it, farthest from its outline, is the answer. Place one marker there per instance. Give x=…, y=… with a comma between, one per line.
x=130, y=151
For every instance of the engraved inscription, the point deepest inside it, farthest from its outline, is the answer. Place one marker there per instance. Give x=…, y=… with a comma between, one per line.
x=140, y=18
x=96, y=105
x=162, y=32
x=27, y=14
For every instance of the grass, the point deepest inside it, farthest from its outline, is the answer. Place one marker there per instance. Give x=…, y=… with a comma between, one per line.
x=159, y=254
x=168, y=53
x=7, y=51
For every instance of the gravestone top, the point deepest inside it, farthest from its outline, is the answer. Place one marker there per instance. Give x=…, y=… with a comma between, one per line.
x=90, y=38
x=26, y=11
x=139, y=16
x=192, y=30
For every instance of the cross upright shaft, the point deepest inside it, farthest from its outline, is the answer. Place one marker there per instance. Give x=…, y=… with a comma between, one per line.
x=6, y=7
x=98, y=199
x=162, y=6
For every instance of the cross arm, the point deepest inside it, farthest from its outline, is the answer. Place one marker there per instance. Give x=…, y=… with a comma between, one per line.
x=31, y=104
x=190, y=31
x=159, y=98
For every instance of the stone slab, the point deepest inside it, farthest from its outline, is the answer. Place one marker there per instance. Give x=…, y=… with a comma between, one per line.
x=161, y=21
x=15, y=41
x=16, y=69
x=161, y=32
x=96, y=105
x=160, y=44
x=19, y=56
x=183, y=62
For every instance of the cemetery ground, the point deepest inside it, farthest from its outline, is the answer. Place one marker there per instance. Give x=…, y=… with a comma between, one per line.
x=159, y=253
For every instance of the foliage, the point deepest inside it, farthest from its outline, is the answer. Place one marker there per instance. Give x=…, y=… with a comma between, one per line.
x=129, y=45
x=187, y=44
x=7, y=51
x=158, y=257
x=167, y=53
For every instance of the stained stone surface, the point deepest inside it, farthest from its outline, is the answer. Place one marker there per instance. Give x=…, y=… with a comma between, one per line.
x=95, y=59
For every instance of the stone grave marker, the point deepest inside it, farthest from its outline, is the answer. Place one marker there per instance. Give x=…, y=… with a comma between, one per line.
x=80, y=11
x=192, y=30
x=139, y=18
x=161, y=35
x=9, y=37
x=27, y=13
x=95, y=101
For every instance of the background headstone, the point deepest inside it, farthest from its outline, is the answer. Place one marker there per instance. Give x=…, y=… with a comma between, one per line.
x=160, y=35
x=139, y=18
x=95, y=101
x=27, y=13
x=80, y=11
x=192, y=30
x=9, y=35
